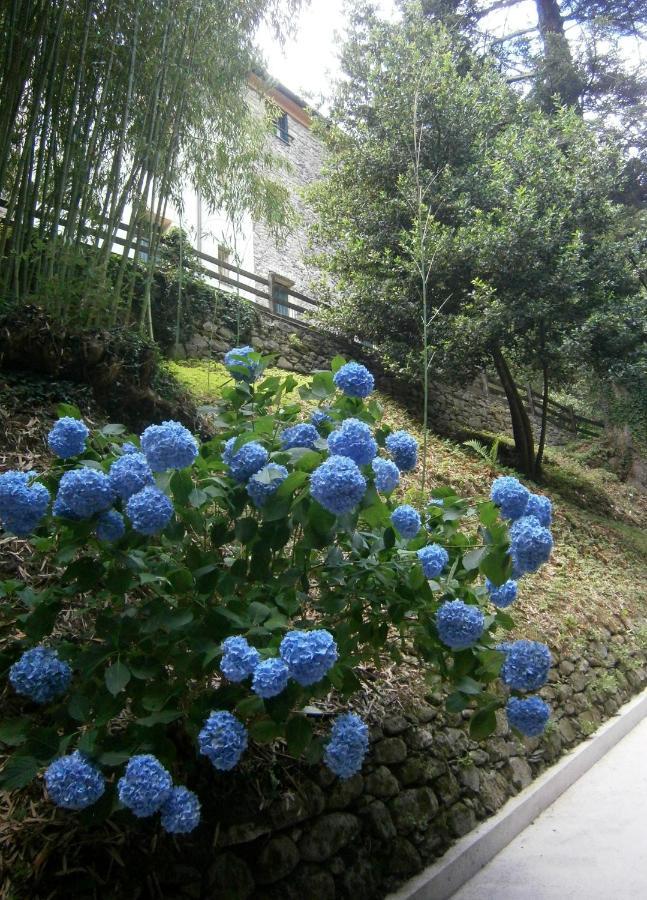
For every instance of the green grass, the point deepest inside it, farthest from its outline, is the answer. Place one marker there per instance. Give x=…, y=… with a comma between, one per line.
x=597, y=574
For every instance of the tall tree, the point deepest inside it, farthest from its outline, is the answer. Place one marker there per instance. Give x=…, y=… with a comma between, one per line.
x=518, y=224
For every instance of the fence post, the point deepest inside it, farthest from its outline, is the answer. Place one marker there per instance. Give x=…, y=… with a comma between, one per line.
x=531, y=402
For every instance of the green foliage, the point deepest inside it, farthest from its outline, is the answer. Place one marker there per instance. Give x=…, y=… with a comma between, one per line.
x=141, y=622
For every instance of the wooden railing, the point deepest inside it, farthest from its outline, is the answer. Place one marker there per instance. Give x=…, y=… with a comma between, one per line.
x=562, y=417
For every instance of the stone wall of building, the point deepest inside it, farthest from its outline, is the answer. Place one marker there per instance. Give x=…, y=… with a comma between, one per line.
x=304, y=155
x=455, y=411
x=425, y=784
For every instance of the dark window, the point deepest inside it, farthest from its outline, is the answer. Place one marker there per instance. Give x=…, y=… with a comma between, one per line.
x=280, y=297
x=282, y=128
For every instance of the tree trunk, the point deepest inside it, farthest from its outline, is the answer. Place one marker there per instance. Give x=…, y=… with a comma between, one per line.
x=558, y=75
x=544, y=420
x=521, y=426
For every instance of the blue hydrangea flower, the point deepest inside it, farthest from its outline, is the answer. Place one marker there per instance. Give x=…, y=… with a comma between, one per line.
x=270, y=678
x=239, y=659
x=129, y=447
x=526, y=665
x=110, y=526
x=74, y=783
x=541, y=508
x=223, y=740
x=354, y=380
x=266, y=482
x=528, y=715
x=510, y=495
x=130, y=474
x=169, y=446
x=459, y=625
x=354, y=440
x=502, y=596
x=63, y=510
x=246, y=369
x=303, y=435
x=406, y=521
x=434, y=558
x=530, y=545
x=149, y=511
x=319, y=416
x=85, y=492
x=338, y=485
x=40, y=675
x=308, y=654
x=23, y=502
x=246, y=461
x=181, y=812
x=348, y=745
x=387, y=475
x=403, y=447
x=145, y=785
x=67, y=438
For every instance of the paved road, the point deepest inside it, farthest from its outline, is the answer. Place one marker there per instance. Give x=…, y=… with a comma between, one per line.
x=591, y=844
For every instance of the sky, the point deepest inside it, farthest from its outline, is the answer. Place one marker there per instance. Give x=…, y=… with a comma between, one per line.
x=308, y=63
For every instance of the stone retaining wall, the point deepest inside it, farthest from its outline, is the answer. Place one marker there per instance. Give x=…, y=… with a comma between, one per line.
x=425, y=784
x=455, y=411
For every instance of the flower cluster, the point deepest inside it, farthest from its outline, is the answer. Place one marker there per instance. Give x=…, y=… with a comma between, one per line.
x=308, y=655
x=403, y=447
x=406, y=521
x=354, y=440
x=459, y=625
x=526, y=665
x=72, y=782
x=502, y=596
x=145, y=785
x=181, y=811
x=40, y=675
x=530, y=545
x=110, y=526
x=338, y=485
x=246, y=461
x=84, y=492
x=169, y=446
x=510, y=495
x=387, y=475
x=354, y=380
x=266, y=482
x=528, y=715
x=130, y=474
x=223, y=740
x=303, y=435
x=23, y=503
x=238, y=659
x=434, y=558
x=150, y=511
x=270, y=678
x=541, y=508
x=67, y=438
x=348, y=745
x=241, y=366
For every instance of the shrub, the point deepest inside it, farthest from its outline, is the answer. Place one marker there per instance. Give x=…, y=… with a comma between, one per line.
x=210, y=596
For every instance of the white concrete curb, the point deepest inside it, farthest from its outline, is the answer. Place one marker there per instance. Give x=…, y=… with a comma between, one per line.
x=465, y=858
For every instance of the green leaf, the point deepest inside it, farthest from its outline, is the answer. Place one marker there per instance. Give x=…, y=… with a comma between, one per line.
x=298, y=733
x=457, y=702
x=117, y=677
x=246, y=530
x=467, y=685
x=472, y=559
x=163, y=717
x=483, y=722
x=389, y=538
x=292, y=483
x=18, y=772
x=42, y=743
x=13, y=732
x=265, y=731
x=337, y=363
x=488, y=513
x=79, y=707
x=68, y=409
x=181, y=487
x=250, y=706
x=496, y=565
x=112, y=430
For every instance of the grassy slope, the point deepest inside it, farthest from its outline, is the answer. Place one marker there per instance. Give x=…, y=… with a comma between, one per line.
x=598, y=569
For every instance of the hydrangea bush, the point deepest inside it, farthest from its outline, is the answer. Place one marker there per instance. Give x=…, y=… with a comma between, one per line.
x=210, y=595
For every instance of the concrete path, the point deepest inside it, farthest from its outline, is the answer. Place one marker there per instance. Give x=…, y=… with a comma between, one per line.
x=591, y=844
